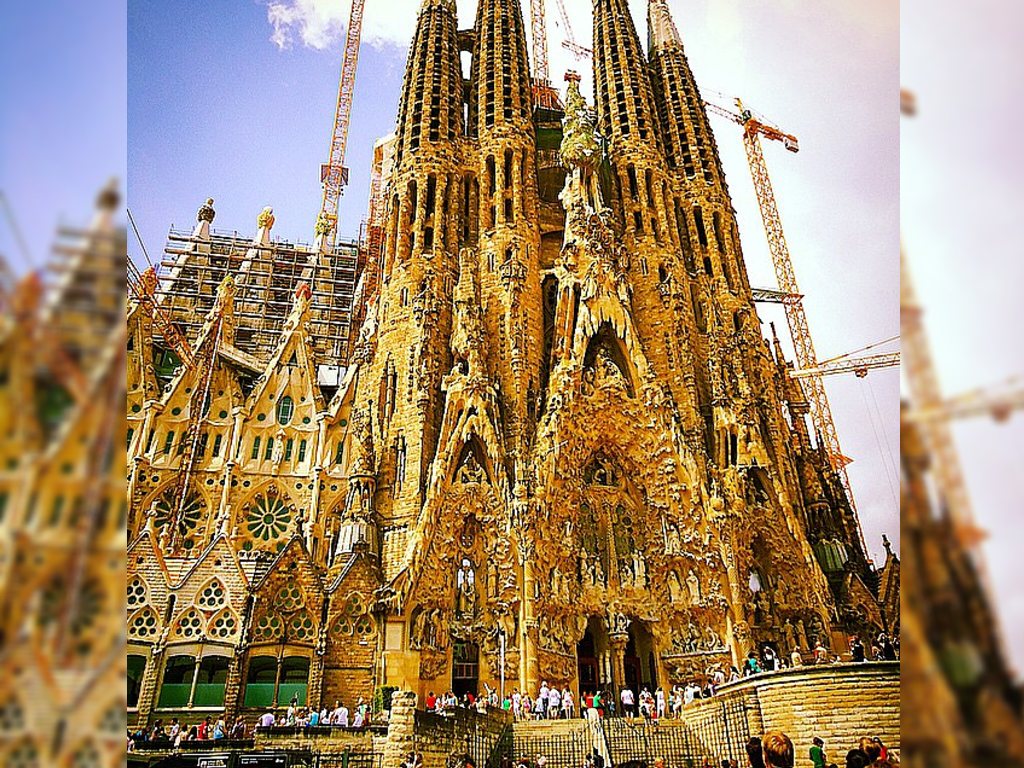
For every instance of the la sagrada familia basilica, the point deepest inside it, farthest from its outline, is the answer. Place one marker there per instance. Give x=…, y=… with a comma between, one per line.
x=560, y=441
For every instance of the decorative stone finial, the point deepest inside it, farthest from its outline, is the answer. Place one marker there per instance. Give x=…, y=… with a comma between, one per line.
x=266, y=218
x=108, y=198
x=206, y=212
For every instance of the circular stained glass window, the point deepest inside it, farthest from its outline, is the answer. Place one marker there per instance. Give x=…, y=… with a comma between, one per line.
x=268, y=517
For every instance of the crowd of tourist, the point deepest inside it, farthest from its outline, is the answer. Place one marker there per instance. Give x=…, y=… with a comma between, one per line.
x=775, y=750
x=170, y=735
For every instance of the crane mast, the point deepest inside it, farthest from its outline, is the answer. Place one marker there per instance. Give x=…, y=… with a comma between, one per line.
x=544, y=94
x=791, y=296
x=333, y=173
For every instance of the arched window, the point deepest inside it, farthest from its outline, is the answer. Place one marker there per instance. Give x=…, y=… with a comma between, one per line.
x=285, y=409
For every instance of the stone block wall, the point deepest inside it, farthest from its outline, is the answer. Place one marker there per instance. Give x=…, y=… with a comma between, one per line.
x=837, y=702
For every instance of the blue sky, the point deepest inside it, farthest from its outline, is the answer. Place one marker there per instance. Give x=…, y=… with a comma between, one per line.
x=219, y=109
x=63, y=115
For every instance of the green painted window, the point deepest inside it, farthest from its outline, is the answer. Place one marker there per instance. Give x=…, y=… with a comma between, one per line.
x=285, y=409
x=213, y=673
x=260, y=682
x=56, y=510
x=269, y=453
x=177, y=685
x=288, y=449
x=294, y=680
x=255, y=448
x=131, y=434
x=217, y=439
x=169, y=442
x=136, y=669
x=340, y=453
x=302, y=450
x=201, y=448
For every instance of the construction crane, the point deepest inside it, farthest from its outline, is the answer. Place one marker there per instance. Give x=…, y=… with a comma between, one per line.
x=792, y=301
x=849, y=363
x=569, y=42
x=926, y=397
x=998, y=401
x=544, y=94
x=333, y=173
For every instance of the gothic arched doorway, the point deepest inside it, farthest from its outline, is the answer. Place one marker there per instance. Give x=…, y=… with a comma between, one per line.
x=639, y=665
x=592, y=657
x=465, y=667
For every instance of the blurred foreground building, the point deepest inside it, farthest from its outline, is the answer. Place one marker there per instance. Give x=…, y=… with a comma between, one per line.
x=557, y=446
x=63, y=512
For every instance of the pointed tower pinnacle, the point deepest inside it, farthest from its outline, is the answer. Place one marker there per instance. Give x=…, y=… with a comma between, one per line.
x=689, y=143
x=625, y=104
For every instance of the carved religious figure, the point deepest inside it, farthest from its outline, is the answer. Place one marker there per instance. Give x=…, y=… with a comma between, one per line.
x=693, y=587
x=675, y=588
x=471, y=473
x=465, y=599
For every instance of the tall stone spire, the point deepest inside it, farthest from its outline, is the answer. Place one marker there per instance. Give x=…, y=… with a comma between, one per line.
x=501, y=96
x=689, y=143
x=626, y=110
x=430, y=110
x=503, y=182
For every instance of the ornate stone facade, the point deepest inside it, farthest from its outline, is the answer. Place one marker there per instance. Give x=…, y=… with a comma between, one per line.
x=561, y=449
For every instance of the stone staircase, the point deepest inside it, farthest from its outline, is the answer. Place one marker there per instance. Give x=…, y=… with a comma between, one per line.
x=565, y=743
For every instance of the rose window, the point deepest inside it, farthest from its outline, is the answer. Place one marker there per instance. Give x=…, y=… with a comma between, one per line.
x=268, y=518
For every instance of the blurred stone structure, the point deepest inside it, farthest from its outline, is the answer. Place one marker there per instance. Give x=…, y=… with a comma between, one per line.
x=558, y=449
x=963, y=706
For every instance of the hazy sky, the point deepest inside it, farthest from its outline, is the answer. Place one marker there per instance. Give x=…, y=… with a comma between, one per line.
x=234, y=99
x=961, y=196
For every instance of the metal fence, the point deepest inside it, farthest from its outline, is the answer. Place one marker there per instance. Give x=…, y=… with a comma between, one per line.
x=721, y=733
x=348, y=759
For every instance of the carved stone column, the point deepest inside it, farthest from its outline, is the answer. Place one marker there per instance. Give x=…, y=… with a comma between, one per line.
x=617, y=642
x=530, y=662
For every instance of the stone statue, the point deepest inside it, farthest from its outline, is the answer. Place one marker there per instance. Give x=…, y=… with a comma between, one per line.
x=789, y=632
x=599, y=577
x=801, y=634
x=675, y=588
x=674, y=545
x=693, y=587
x=278, y=455
x=471, y=472
x=465, y=601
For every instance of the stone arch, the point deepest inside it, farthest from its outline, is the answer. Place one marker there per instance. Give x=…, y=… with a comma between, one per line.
x=24, y=753
x=137, y=592
x=189, y=625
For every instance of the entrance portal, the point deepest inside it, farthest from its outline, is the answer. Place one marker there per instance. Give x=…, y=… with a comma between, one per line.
x=465, y=667
x=638, y=662
x=593, y=661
